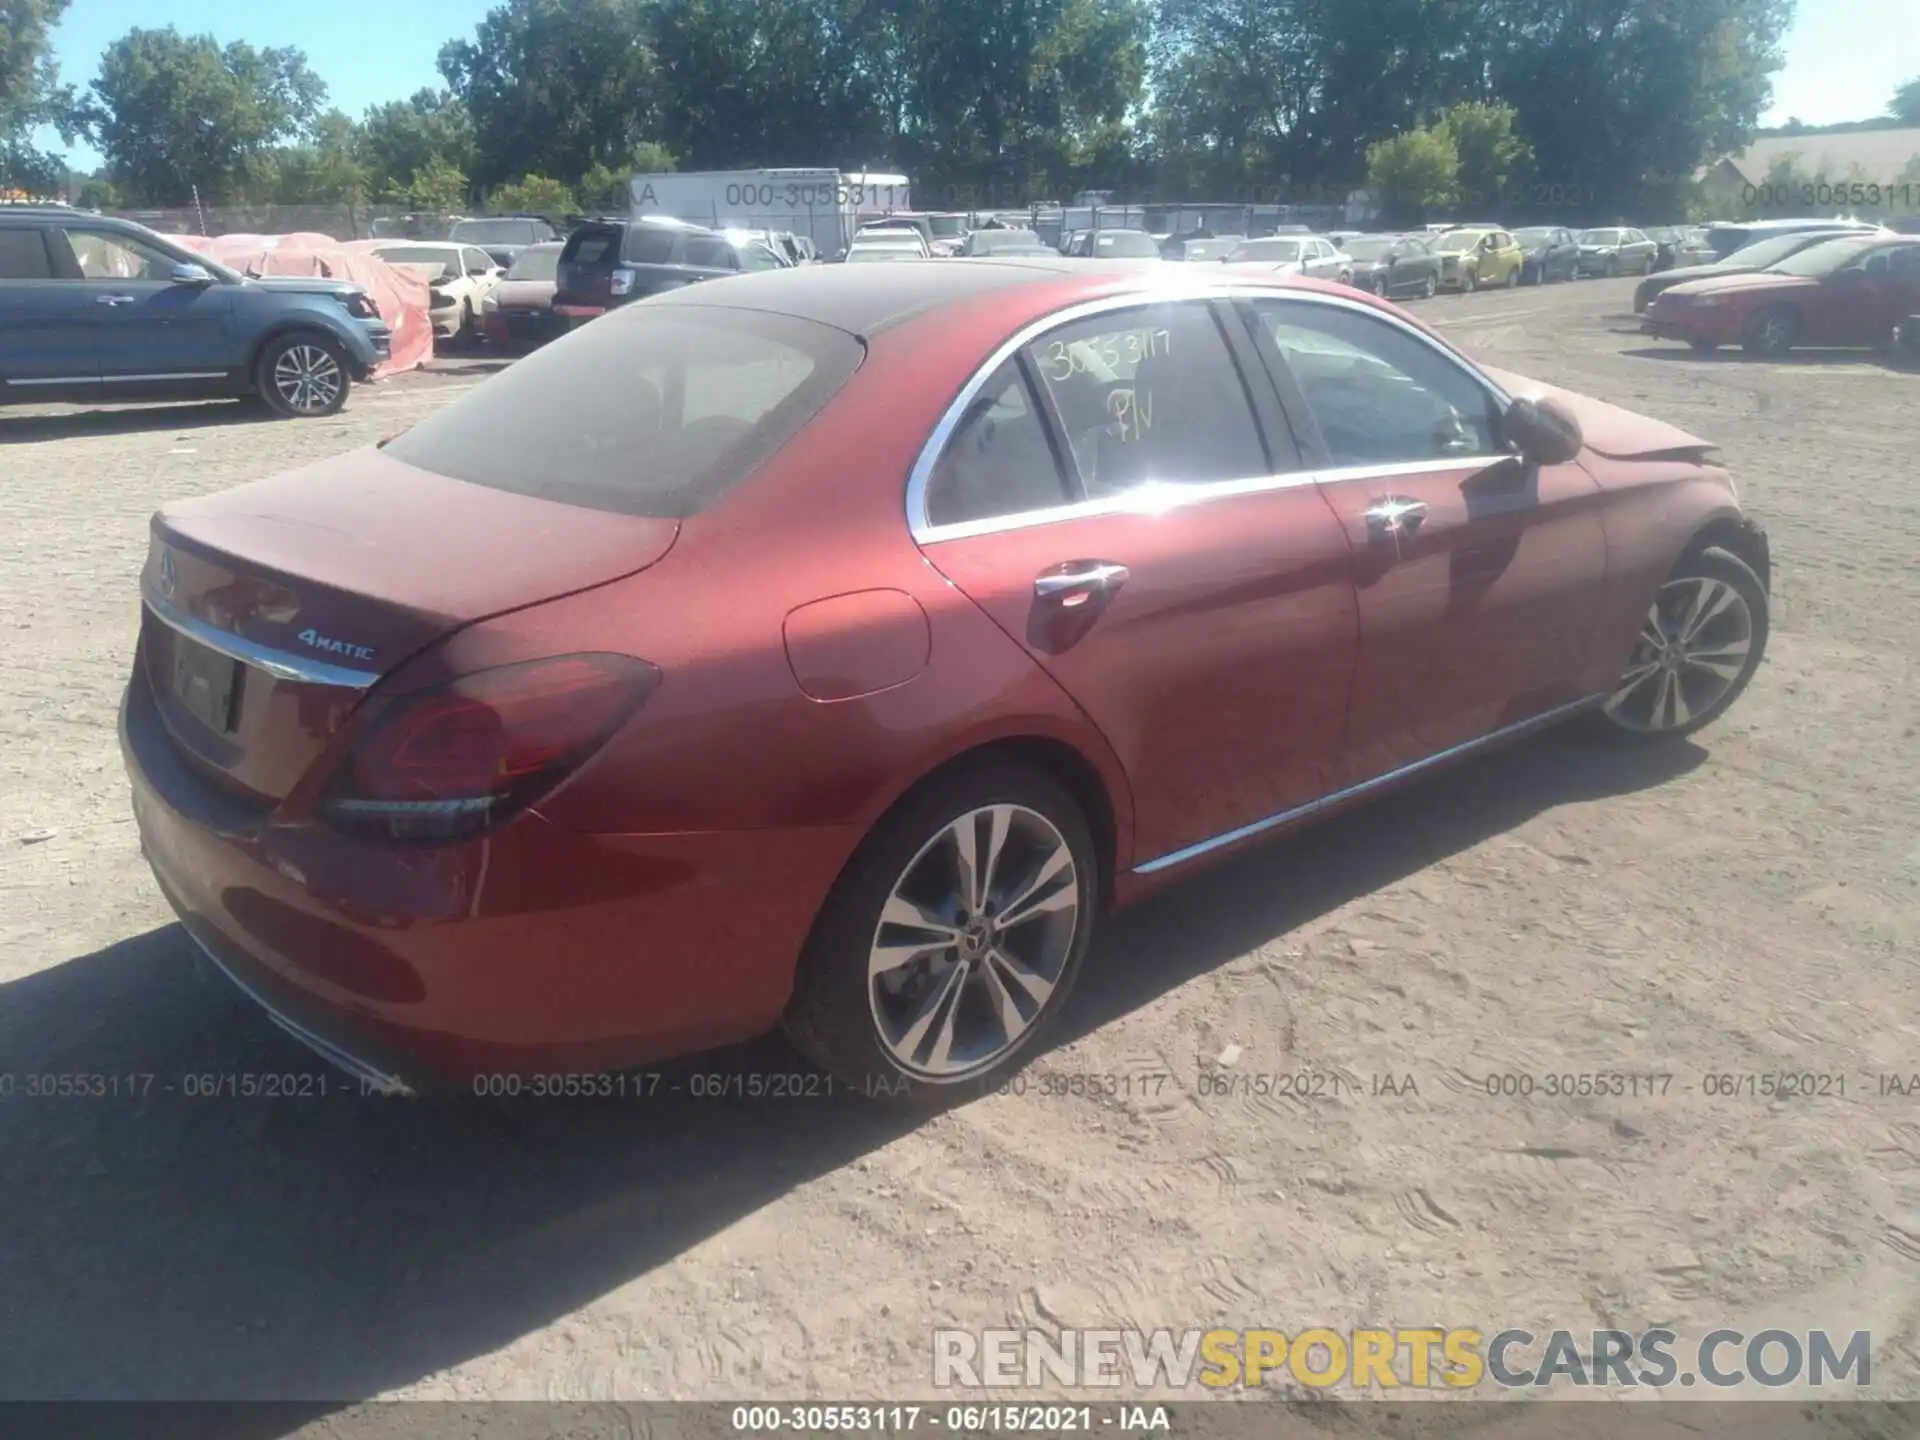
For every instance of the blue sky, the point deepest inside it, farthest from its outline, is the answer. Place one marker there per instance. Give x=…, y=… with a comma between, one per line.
x=1843, y=60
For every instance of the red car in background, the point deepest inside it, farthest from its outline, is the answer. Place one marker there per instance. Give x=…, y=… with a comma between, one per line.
x=829, y=648
x=1848, y=291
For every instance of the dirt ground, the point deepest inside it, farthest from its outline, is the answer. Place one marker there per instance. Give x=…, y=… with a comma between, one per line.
x=1743, y=906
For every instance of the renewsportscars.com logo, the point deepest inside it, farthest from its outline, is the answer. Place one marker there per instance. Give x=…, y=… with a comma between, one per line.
x=1383, y=1359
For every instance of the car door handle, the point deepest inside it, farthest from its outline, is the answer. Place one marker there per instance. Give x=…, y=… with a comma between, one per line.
x=114, y=300
x=1394, y=517
x=1079, y=581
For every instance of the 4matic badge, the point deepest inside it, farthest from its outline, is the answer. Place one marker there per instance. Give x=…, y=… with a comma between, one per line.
x=335, y=647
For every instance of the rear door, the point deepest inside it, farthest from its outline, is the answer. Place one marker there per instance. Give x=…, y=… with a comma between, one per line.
x=46, y=332
x=1112, y=500
x=1477, y=574
x=148, y=330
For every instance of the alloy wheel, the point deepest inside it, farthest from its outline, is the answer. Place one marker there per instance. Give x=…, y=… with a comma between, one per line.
x=973, y=941
x=307, y=378
x=1692, y=651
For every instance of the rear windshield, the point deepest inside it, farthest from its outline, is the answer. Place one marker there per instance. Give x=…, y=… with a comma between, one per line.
x=650, y=410
x=540, y=263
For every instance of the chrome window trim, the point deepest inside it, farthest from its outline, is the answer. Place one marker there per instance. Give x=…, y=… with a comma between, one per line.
x=1364, y=787
x=281, y=664
x=1157, y=498
x=924, y=532
x=58, y=380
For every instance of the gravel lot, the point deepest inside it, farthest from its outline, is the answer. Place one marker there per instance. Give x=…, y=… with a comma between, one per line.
x=1744, y=905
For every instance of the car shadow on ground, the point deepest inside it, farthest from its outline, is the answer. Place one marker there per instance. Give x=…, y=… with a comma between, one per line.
x=165, y=1244
x=1734, y=355
x=129, y=420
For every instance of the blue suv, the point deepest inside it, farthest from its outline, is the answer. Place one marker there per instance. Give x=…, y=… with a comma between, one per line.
x=93, y=309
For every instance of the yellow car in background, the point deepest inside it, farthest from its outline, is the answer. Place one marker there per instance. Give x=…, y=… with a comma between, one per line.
x=1478, y=258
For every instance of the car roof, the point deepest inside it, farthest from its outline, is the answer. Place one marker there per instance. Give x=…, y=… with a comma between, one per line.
x=869, y=302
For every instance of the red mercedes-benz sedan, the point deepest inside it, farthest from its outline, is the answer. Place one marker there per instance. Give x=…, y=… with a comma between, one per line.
x=1852, y=290
x=828, y=648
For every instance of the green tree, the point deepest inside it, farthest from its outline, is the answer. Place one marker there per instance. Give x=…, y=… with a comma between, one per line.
x=401, y=138
x=1905, y=105
x=439, y=188
x=532, y=194
x=1493, y=158
x=1617, y=96
x=172, y=112
x=555, y=86
x=31, y=95
x=607, y=187
x=1412, y=171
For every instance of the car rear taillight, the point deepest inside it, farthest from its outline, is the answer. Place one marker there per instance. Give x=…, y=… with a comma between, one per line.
x=447, y=763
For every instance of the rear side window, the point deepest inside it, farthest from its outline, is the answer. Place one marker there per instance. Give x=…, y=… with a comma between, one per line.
x=647, y=246
x=23, y=256
x=650, y=410
x=999, y=461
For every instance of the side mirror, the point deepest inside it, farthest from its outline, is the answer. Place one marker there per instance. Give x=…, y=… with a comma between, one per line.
x=1543, y=431
x=188, y=274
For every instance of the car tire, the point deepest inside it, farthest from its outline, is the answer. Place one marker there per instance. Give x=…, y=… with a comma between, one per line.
x=1660, y=699
x=1431, y=288
x=1771, y=331
x=302, y=376
x=882, y=1032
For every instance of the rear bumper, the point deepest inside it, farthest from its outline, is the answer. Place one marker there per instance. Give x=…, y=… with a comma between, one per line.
x=535, y=951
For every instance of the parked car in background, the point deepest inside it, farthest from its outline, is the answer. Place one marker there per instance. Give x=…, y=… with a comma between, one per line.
x=607, y=264
x=892, y=236
x=1679, y=245
x=1760, y=255
x=520, y=310
x=503, y=236
x=96, y=309
x=1217, y=247
x=1004, y=240
x=783, y=245
x=1313, y=255
x=921, y=225
x=1728, y=236
x=1393, y=265
x=1114, y=245
x=1549, y=252
x=1616, y=250
x=649, y=654
x=459, y=280
x=949, y=228
x=1477, y=257
x=1851, y=290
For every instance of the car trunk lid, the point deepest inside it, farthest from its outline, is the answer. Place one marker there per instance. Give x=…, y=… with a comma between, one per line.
x=270, y=608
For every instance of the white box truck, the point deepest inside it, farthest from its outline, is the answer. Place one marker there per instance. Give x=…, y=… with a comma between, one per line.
x=823, y=205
